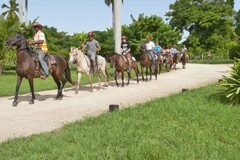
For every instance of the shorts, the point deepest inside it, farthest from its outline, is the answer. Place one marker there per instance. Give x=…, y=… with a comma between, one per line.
x=91, y=55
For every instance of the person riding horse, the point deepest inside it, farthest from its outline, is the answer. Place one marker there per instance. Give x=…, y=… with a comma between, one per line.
x=93, y=46
x=150, y=49
x=125, y=46
x=184, y=51
x=41, y=47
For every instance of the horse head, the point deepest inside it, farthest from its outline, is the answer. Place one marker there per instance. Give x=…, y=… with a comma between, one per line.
x=18, y=40
x=73, y=55
x=112, y=59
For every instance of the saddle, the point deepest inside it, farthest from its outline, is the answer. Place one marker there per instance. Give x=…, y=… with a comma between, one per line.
x=49, y=59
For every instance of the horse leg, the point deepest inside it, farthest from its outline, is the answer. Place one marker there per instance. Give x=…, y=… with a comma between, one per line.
x=58, y=86
x=30, y=81
x=151, y=72
x=105, y=73
x=128, y=77
x=146, y=74
x=142, y=73
x=19, y=81
x=122, y=78
x=63, y=81
x=136, y=72
x=115, y=76
x=99, y=81
x=78, y=82
x=90, y=80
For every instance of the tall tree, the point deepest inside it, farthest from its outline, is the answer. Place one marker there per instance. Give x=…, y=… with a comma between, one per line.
x=116, y=14
x=12, y=10
x=209, y=23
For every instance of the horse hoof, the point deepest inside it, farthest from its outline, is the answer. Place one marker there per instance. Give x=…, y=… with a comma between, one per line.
x=31, y=102
x=14, y=104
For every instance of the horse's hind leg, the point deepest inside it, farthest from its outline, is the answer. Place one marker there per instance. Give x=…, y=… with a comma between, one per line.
x=19, y=81
x=128, y=77
x=142, y=73
x=30, y=80
x=115, y=76
x=59, y=93
x=122, y=78
x=90, y=80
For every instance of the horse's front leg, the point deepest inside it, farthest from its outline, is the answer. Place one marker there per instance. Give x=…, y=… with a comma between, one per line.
x=128, y=77
x=19, y=81
x=78, y=82
x=90, y=80
x=146, y=74
x=142, y=73
x=30, y=81
x=150, y=68
x=122, y=78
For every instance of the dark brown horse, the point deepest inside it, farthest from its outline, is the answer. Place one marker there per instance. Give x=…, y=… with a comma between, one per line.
x=175, y=60
x=120, y=64
x=146, y=62
x=28, y=67
x=183, y=60
x=168, y=61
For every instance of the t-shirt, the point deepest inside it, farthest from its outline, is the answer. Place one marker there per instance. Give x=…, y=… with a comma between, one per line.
x=39, y=36
x=125, y=46
x=157, y=49
x=174, y=50
x=184, y=50
x=150, y=45
x=92, y=46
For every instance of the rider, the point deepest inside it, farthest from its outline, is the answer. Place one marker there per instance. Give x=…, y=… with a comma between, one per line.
x=158, y=49
x=126, y=52
x=173, y=50
x=93, y=46
x=150, y=48
x=184, y=51
x=41, y=47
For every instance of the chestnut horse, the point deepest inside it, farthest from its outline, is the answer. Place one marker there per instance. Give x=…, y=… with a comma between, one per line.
x=146, y=62
x=28, y=67
x=120, y=63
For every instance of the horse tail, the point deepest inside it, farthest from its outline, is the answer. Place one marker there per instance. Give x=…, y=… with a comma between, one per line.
x=68, y=75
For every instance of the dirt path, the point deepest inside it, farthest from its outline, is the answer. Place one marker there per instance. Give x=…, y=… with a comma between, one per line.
x=47, y=114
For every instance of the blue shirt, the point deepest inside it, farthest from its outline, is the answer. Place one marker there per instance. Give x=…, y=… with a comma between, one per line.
x=157, y=49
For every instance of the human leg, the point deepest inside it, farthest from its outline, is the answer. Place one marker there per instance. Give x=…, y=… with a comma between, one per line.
x=41, y=57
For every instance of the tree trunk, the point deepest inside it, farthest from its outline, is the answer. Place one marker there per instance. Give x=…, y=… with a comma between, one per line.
x=117, y=5
x=20, y=11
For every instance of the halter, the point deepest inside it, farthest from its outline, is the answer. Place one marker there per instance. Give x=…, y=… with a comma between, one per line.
x=23, y=46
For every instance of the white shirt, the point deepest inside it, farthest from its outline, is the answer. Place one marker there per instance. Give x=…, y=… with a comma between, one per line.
x=39, y=36
x=150, y=45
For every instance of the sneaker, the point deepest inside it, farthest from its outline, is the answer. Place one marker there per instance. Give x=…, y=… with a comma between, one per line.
x=43, y=76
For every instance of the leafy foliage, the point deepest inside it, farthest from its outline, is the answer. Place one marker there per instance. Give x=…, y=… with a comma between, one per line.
x=210, y=24
x=232, y=83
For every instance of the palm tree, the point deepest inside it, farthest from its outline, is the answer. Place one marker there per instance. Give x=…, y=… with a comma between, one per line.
x=11, y=13
x=116, y=20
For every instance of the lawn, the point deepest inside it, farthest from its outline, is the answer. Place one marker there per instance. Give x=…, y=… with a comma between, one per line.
x=196, y=124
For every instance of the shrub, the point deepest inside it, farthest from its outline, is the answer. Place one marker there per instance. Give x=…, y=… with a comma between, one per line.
x=234, y=52
x=231, y=84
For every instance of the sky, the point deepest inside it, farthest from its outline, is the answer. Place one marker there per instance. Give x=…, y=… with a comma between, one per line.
x=76, y=16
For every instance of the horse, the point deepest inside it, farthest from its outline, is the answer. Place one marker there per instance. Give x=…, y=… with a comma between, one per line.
x=28, y=67
x=159, y=62
x=168, y=62
x=146, y=62
x=83, y=66
x=120, y=64
x=175, y=60
x=183, y=59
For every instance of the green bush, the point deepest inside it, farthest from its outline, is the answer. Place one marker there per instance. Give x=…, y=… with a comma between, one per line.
x=231, y=84
x=234, y=52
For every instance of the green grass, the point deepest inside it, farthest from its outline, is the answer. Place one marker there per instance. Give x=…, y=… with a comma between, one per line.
x=195, y=124
x=9, y=79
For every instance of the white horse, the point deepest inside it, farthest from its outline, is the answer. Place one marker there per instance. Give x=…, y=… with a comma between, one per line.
x=83, y=66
